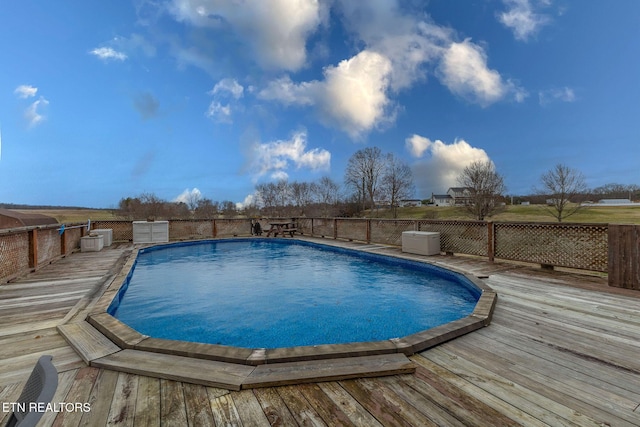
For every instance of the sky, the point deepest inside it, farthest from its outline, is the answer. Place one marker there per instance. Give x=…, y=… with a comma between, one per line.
x=101, y=101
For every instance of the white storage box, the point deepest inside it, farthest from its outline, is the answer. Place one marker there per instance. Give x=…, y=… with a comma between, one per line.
x=150, y=231
x=107, y=233
x=421, y=242
x=91, y=243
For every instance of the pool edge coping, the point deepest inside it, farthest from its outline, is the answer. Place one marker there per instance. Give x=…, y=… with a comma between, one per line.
x=126, y=337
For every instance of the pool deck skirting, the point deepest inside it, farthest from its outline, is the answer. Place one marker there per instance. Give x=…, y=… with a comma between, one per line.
x=100, y=340
x=561, y=350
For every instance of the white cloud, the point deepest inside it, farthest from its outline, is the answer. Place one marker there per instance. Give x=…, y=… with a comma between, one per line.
x=355, y=92
x=228, y=86
x=409, y=41
x=219, y=113
x=522, y=19
x=33, y=113
x=188, y=196
x=274, y=158
x=465, y=72
x=108, y=53
x=249, y=200
x=415, y=45
x=352, y=96
x=565, y=94
x=400, y=49
x=275, y=30
x=417, y=145
x=440, y=163
x=228, y=90
x=286, y=91
x=25, y=91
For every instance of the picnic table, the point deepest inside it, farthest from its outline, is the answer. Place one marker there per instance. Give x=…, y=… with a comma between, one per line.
x=282, y=227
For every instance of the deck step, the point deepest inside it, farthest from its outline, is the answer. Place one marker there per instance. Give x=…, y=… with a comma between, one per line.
x=177, y=368
x=87, y=341
x=235, y=377
x=277, y=374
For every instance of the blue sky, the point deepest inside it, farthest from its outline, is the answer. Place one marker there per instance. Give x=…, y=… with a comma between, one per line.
x=104, y=100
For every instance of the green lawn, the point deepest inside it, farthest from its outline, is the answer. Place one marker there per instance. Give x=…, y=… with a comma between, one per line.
x=533, y=213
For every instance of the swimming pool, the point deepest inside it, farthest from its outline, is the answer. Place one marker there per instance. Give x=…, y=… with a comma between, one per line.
x=271, y=293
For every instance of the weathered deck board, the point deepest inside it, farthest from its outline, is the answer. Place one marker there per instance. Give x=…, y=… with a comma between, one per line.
x=561, y=351
x=251, y=413
x=178, y=368
x=104, y=387
x=271, y=375
x=87, y=341
x=148, y=402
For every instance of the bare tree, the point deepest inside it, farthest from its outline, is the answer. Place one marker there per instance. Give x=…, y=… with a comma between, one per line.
x=564, y=188
x=268, y=194
x=229, y=209
x=617, y=191
x=206, y=208
x=363, y=173
x=327, y=193
x=301, y=194
x=397, y=182
x=486, y=187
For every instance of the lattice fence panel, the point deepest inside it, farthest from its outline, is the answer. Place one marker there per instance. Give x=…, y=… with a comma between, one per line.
x=323, y=227
x=353, y=229
x=190, y=229
x=583, y=246
x=390, y=231
x=122, y=231
x=14, y=254
x=49, y=245
x=463, y=237
x=233, y=227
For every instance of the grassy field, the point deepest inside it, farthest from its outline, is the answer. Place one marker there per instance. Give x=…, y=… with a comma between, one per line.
x=533, y=213
x=67, y=216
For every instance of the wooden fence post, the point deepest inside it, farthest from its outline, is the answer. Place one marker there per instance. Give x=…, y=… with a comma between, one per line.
x=63, y=242
x=368, y=230
x=491, y=248
x=624, y=256
x=335, y=228
x=33, y=248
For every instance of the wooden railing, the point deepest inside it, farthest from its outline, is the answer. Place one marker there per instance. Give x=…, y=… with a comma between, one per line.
x=613, y=249
x=25, y=249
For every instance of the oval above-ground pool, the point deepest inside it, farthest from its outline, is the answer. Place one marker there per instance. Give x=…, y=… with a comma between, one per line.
x=270, y=293
x=322, y=349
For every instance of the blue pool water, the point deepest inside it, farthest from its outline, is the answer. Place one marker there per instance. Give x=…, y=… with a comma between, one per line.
x=269, y=293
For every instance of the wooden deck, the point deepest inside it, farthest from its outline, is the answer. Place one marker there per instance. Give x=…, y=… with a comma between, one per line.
x=562, y=350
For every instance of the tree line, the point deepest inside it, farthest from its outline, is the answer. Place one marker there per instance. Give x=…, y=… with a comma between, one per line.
x=374, y=180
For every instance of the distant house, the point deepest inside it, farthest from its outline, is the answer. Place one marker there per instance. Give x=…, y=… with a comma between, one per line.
x=456, y=196
x=614, y=201
x=460, y=195
x=405, y=203
x=14, y=219
x=441, y=199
